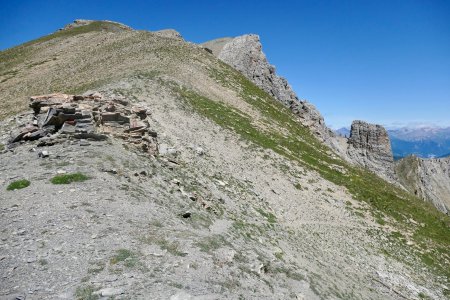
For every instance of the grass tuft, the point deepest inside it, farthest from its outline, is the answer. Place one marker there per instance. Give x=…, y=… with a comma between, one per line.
x=18, y=184
x=69, y=178
x=124, y=255
x=86, y=293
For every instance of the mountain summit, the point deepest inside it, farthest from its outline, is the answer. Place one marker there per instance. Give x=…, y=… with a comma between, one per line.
x=137, y=165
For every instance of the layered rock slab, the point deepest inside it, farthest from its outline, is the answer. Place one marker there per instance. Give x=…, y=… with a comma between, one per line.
x=58, y=117
x=369, y=146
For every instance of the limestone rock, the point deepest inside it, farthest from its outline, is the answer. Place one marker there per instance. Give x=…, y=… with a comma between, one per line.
x=109, y=292
x=310, y=117
x=245, y=54
x=370, y=147
x=58, y=117
x=169, y=33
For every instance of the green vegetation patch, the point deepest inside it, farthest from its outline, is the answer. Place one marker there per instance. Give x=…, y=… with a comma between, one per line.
x=171, y=247
x=128, y=257
x=211, y=243
x=271, y=218
x=69, y=178
x=86, y=293
x=18, y=184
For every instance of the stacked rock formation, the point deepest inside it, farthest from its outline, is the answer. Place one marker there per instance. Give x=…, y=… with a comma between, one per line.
x=370, y=147
x=58, y=117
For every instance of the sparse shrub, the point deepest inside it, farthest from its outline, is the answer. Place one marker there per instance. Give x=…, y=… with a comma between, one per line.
x=279, y=255
x=86, y=293
x=69, y=178
x=124, y=255
x=271, y=218
x=211, y=243
x=171, y=247
x=18, y=184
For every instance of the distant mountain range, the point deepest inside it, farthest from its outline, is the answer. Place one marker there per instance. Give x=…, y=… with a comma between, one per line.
x=425, y=142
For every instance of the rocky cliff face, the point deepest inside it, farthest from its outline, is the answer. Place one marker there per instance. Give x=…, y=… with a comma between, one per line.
x=370, y=147
x=245, y=54
x=428, y=179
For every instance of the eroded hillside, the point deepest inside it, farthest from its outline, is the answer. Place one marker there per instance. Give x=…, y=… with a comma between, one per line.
x=240, y=200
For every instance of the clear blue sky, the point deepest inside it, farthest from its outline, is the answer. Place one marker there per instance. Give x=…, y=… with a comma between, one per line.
x=382, y=61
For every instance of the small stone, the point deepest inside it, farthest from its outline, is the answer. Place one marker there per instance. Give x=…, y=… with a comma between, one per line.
x=220, y=182
x=97, y=95
x=31, y=260
x=43, y=154
x=112, y=171
x=186, y=215
x=181, y=296
x=109, y=292
x=199, y=151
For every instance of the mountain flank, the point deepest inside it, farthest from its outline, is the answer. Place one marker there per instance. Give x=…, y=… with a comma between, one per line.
x=135, y=165
x=427, y=178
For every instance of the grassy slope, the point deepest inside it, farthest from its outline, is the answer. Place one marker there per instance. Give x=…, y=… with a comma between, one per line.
x=79, y=59
x=428, y=228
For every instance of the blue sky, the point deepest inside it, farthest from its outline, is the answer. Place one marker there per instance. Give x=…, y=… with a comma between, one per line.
x=385, y=62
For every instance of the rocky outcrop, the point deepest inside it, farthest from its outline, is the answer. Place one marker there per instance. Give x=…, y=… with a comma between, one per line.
x=369, y=146
x=59, y=117
x=245, y=54
x=310, y=117
x=169, y=33
x=428, y=179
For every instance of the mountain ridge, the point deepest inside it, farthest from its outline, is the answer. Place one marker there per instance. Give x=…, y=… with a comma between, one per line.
x=271, y=185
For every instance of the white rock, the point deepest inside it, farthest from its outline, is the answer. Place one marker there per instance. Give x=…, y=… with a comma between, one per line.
x=199, y=151
x=108, y=292
x=181, y=296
